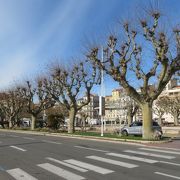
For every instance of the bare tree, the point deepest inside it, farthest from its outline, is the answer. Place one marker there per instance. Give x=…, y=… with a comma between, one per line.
x=67, y=85
x=2, y=118
x=129, y=106
x=83, y=117
x=132, y=108
x=11, y=105
x=57, y=110
x=125, y=61
x=57, y=114
x=171, y=105
x=159, y=108
x=37, y=99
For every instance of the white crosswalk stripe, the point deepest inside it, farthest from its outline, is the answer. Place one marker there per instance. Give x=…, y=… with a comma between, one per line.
x=161, y=151
x=174, y=149
x=150, y=154
x=167, y=175
x=114, y=162
x=171, y=163
x=93, y=149
x=132, y=157
x=68, y=165
x=60, y=172
x=89, y=166
x=19, y=174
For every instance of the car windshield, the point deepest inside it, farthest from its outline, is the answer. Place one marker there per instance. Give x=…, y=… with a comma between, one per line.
x=139, y=123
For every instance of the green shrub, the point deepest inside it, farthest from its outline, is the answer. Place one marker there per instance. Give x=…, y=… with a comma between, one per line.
x=54, y=121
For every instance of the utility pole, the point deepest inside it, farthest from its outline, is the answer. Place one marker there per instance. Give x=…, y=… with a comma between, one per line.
x=101, y=97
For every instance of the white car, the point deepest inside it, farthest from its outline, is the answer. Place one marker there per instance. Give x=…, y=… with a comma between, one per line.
x=136, y=129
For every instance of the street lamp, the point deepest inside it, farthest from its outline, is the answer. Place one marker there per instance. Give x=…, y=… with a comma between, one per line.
x=101, y=97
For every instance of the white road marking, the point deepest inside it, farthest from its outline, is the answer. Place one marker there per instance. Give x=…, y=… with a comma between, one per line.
x=60, y=172
x=53, y=142
x=174, y=149
x=19, y=174
x=114, y=162
x=91, y=149
x=150, y=154
x=28, y=138
x=158, y=150
x=167, y=175
x=132, y=157
x=171, y=163
x=89, y=166
x=68, y=165
x=15, y=147
x=13, y=136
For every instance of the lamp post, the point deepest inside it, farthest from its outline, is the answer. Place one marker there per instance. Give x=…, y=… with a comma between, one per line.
x=101, y=97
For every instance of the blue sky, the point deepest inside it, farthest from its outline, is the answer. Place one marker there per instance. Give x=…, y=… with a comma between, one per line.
x=35, y=32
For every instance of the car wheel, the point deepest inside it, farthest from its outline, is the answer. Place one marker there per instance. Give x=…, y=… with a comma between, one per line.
x=124, y=133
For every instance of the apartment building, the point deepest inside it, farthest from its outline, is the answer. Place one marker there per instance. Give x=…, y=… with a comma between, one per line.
x=92, y=109
x=115, y=106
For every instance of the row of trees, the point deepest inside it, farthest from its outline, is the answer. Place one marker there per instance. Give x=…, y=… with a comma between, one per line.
x=169, y=105
x=62, y=86
x=127, y=60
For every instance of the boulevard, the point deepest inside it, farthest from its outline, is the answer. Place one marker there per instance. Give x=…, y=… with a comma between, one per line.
x=32, y=157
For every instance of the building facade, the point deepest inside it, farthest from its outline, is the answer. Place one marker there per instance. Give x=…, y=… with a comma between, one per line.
x=92, y=109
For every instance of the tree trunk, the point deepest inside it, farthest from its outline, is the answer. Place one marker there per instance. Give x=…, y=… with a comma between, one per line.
x=33, y=122
x=84, y=125
x=147, y=120
x=130, y=119
x=160, y=120
x=175, y=119
x=72, y=114
x=10, y=123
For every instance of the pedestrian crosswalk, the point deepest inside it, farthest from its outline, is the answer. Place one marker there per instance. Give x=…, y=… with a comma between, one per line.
x=19, y=174
x=132, y=157
x=76, y=169
x=68, y=165
x=149, y=154
x=114, y=162
x=60, y=172
x=89, y=166
x=161, y=151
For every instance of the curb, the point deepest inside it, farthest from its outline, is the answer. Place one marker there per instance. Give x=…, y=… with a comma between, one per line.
x=103, y=139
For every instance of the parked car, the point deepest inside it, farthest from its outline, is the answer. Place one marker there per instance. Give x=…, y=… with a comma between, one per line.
x=136, y=129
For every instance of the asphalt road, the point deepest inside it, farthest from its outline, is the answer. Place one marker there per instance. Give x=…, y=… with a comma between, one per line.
x=32, y=157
